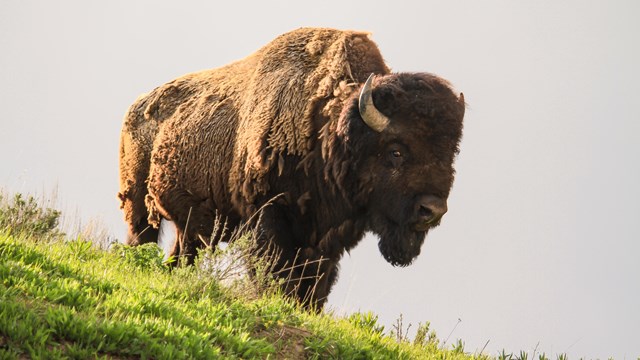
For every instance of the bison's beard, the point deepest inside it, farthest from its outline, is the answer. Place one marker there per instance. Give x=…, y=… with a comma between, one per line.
x=399, y=245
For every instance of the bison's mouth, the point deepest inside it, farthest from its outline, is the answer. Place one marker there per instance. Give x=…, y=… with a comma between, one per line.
x=399, y=244
x=424, y=226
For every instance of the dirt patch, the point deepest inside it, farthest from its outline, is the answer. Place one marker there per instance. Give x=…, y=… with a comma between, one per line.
x=288, y=341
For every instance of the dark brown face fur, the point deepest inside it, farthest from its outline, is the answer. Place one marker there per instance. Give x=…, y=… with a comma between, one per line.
x=407, y=165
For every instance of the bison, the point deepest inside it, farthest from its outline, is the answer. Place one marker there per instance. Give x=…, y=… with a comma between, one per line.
x=311, y=140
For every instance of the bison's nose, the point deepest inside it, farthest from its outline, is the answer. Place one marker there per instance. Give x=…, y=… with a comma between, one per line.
x=430, y=210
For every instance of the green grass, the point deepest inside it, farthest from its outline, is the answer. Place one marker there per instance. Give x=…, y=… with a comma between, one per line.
x=62, y=298
x=68, y=299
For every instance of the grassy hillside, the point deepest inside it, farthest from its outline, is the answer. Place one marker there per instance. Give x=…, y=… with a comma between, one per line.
x=62, y=298
x=68, y=299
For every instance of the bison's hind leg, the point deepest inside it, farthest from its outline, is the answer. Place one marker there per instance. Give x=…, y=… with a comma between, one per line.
x=142, y=233
x=135, y=214
x=194, y=220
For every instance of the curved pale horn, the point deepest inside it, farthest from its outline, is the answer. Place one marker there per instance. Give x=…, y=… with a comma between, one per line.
x=371, y=116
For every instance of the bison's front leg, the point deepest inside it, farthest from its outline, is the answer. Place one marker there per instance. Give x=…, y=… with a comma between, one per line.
x=310, y=278
x=307, y=273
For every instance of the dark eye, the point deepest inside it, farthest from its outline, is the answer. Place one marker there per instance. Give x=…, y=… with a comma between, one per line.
x=396, y=157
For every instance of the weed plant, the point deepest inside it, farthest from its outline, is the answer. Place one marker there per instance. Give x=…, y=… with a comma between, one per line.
x=25, y=215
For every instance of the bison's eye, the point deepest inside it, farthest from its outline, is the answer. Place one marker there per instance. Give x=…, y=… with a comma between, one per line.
x=396, y=157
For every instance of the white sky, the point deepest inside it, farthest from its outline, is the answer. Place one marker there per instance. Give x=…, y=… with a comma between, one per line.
x=541, y=244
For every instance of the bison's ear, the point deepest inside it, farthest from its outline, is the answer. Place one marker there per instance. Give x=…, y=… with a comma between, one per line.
x=371, y=116
x=462, y=104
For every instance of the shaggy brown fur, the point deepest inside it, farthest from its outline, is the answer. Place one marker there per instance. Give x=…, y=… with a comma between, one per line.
x=281, y=127
x=272, y=95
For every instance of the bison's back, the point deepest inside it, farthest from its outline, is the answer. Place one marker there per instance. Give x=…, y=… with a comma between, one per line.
x=221, y=132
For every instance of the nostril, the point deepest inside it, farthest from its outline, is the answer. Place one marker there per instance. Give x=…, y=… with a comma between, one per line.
x=430, y=209
x=425, y=213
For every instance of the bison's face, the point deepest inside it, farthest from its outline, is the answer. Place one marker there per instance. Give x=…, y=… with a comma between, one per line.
x=406, y=160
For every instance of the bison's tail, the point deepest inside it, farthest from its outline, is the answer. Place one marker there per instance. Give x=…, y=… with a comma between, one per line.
x=153, y=218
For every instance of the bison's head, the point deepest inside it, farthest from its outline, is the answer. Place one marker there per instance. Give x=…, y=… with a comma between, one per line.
x=403, y=134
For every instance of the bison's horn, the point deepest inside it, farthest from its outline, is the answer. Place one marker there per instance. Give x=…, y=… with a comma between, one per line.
x=371, y=116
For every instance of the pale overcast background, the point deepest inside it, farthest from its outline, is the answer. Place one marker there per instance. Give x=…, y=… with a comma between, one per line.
x=541, y=245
